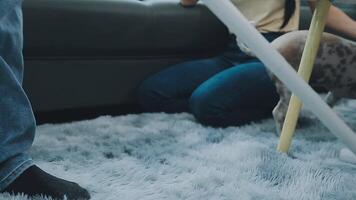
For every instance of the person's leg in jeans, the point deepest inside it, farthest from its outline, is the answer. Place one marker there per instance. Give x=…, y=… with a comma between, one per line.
x=17, y=124
x=169, y=90
x=235, y=96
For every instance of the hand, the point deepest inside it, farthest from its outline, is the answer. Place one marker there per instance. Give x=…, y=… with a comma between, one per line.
x=188, y=3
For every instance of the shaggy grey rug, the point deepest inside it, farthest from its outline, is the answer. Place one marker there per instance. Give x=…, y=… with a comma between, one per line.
x=161, y=156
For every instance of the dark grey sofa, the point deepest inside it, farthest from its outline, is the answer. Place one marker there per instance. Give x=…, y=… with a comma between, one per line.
x=95, y=53
x=90, y=53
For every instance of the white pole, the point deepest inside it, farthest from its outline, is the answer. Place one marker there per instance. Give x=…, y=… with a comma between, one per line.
x=248, y=34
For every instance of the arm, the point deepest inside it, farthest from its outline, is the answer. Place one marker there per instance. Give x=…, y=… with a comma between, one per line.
x=338, y=21
x=188, y=2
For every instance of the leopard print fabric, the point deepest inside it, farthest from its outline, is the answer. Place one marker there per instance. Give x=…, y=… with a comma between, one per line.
x=334, y=69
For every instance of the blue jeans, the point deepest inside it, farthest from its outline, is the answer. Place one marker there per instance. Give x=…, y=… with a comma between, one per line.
x=17, y=124
x=227, y=90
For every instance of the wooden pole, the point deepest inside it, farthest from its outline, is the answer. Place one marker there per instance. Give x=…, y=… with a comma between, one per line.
x=305, y=70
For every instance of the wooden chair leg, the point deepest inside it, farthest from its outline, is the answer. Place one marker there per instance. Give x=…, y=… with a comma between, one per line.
x=305, y=70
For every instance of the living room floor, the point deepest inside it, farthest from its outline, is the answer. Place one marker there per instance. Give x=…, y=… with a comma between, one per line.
x=162, y=156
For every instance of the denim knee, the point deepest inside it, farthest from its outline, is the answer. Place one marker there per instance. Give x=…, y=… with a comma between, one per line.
x=203, y=109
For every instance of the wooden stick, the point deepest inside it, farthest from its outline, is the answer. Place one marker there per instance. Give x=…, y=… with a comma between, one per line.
x=305, y=70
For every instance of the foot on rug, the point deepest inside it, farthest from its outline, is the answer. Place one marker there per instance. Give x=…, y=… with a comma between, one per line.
x=35, y=181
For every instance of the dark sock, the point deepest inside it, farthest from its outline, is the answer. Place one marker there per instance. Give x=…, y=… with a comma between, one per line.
x=35, y=182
